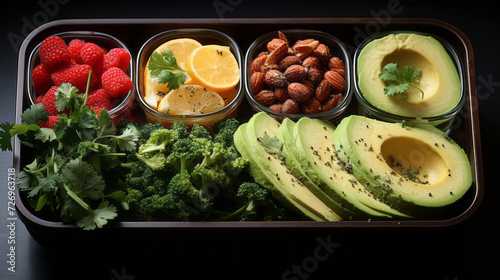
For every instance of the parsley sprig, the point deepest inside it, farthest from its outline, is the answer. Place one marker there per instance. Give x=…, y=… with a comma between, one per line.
x=399, y=80
x=163, y=66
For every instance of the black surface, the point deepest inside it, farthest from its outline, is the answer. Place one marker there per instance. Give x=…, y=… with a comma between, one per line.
x=465, y=251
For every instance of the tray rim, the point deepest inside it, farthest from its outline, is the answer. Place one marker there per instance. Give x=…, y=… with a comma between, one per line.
x=470, y=106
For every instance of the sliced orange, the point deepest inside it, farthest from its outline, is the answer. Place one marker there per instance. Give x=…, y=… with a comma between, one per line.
x=181, y=49
x=214, y=67
x=191, y=100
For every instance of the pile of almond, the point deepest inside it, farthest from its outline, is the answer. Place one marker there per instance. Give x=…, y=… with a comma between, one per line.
x=299, y=79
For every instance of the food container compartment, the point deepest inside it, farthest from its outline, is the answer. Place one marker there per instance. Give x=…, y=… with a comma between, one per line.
x=122, y=106
x=134, y=32
x=336, y=47
x=205, y=37
x=443, y=121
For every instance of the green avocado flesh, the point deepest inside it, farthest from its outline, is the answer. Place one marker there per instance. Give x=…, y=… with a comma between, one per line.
x=315, y=150
x=439, y=81
x=271, y=172
x=412, y=169
x=360, y=169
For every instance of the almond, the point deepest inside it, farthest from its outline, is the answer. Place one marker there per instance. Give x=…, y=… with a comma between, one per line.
x=266, y=67
x=281, y=93
x=312, y=62
x=277, y=54
x=288, y=61
x=323, y=90
x=274, y=43
x=295, y=73
x=340, y=71
x=335, y=63
x=322, y=51
x=265, y=97
x=314, y=76
x=311, y=106
x=282, y=36
x=299, y=92
x=332, y=102
x=256, y=82
x=257, y=63
x=336, y=81
x=290, y=106
x=277, y=107
x=263, y=53
x=309, y=85
x=305, y=47
x=274, y=78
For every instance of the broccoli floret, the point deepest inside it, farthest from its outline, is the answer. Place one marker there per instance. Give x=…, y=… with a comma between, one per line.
x=156, y=162
x=257, y=204
x=159, y=141
x=184, y=155
x=198, y=131
x=152, y=152
x=225, y=131
x=181, y=128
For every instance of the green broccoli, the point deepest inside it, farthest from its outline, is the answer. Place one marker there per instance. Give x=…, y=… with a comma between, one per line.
x=224, y=131
x=257, y=204
x=188, y=174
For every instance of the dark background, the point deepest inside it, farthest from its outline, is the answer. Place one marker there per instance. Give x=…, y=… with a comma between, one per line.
x=468, y=250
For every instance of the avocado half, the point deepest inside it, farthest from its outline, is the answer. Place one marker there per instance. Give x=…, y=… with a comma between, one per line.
x=439, y=80
x=412, y=169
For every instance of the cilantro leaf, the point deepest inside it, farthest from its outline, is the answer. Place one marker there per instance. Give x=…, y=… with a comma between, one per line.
x=163, y=66
x=23, y=129
x=45, y=134
x=98, y=217
x=399, y=80
x=83, y=180
x=45, y=185
x=128, y=139
x=66, y=97
x=34, y=114
x=5, y=136
x=106, y=124
x=272, y=145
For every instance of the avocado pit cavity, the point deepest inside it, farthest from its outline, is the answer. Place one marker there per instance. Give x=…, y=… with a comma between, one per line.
x=415, y=160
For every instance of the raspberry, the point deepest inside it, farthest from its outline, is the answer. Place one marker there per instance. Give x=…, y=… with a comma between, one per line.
x=50, y=123
x=91, y=54
x=49, y=101
x=39, y=99
x=74, y=48
x=99, y=99
x=53, y=53
x=117, y=57
x=76, y=75
x=116, y=82
x=41, y=79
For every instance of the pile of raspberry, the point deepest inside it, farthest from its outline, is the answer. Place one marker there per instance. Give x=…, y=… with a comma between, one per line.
x=71, y=63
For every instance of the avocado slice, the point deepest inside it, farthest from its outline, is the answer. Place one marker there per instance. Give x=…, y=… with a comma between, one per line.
x=439, y=81
x=414, y=169
x=285, y=134
x=314, y=146
x=269, y=170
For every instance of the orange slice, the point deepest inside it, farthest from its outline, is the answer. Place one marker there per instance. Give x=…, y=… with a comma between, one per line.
x=215, y=68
